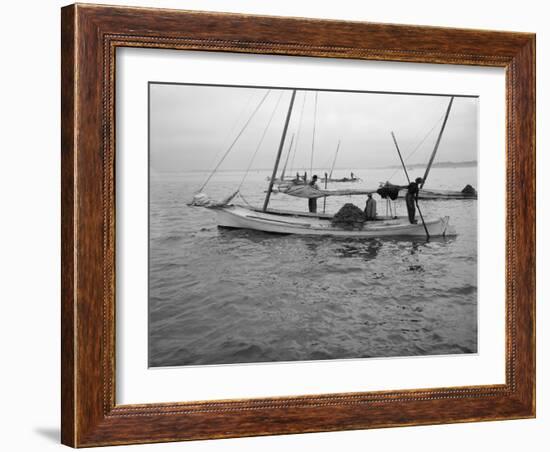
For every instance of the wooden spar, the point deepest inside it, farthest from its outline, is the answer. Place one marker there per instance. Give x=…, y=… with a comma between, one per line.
x=409, y=181
x=330, y=175
x=401, y=158
x=313, y=137
x=437, y=143
x=334, y=161
x=299, y=131
x=325, y=198
x=279, y=152
x=287, y=156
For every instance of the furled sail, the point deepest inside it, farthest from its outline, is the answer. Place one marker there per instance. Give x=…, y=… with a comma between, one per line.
x=307, y=191
x=203, y=200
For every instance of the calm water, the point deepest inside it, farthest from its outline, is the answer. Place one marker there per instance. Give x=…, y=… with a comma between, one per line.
x=236, y=296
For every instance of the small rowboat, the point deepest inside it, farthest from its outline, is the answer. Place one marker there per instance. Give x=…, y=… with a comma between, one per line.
x=342, y=179
x=288, y=222
x=427, y=194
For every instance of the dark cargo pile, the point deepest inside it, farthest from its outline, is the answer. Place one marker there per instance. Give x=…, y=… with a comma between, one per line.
x=349, y=217
x=469, y=190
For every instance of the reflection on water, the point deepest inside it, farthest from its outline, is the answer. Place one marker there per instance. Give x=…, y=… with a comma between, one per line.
x=233, y=296
x=366, y=250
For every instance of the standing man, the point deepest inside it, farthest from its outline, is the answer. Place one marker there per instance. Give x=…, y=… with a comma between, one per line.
x=312, y=202
x=411, y=198
x=370, y=208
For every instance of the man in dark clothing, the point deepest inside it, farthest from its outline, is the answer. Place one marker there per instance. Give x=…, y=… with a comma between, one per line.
x=370, y=208
x=312, y=202
x=411, y=198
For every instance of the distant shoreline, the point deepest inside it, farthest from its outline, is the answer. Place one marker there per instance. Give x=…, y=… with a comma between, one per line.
x=469, y=163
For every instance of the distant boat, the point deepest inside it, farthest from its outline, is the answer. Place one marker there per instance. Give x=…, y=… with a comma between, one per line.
x=328, y=176
x=301, y=181
x=428, y=194
x=468, y=192
x=344, y=179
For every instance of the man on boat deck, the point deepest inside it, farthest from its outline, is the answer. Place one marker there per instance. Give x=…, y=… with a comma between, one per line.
x=312, y=202
x=370, y=208
x=411, y=198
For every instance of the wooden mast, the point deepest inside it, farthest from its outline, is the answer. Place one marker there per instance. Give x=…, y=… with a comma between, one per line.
x=327, y=177
x=437, y=143
x=287, y=156
x=334, y=161
x=274, y=174
x=313, y=137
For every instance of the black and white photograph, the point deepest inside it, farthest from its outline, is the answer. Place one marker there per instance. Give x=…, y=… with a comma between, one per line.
x=304, y=224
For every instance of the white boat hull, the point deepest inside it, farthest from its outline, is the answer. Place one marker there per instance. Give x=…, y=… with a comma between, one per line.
x=244, y=218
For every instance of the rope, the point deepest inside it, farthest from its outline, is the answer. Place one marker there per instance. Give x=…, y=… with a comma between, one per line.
x=298, y=135
x=230, y=131
x=235, y=140
x=313, y=138
x=245, y=201
x=261, y=141
x=419, y=144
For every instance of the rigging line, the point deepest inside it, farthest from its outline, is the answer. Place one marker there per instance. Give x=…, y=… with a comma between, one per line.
x=418, y=145
x=298, y=133
x=245, y=201
x=230, y=131
x=313, y=137
x=235, y=140
x=261, y=140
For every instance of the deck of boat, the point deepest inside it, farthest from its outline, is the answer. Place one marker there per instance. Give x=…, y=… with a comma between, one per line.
x=293, y=213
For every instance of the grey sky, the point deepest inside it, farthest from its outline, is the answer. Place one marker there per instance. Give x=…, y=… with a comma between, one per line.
x=192, y=126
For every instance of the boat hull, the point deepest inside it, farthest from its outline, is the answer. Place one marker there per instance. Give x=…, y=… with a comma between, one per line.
x=426, y=194
x=244, y=218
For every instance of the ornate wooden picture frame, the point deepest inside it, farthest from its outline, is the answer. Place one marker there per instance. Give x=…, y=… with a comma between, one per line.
x=90, y=37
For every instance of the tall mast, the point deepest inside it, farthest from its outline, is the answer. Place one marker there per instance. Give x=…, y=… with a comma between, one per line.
x=287, y=156
x=274, y=174
x=313, y=137
x=437, y=143
x=334, y=161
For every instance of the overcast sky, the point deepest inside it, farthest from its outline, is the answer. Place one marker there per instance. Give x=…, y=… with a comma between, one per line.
x=192, y=126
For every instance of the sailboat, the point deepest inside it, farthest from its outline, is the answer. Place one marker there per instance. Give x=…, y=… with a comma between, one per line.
x=328, y=176
x=318, y=224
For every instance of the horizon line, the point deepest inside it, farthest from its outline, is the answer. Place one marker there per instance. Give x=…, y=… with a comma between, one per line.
x=200, y=170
